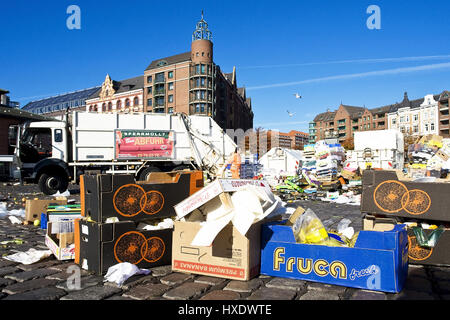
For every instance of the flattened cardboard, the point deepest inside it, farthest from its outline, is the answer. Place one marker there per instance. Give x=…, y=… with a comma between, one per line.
x=414, y=200
x=437, y=256
x=213, y=190
x=96, y=245
x=231, y=256
x=378, y=261
x=59, y=244
x=34, y=208
x=105, y=195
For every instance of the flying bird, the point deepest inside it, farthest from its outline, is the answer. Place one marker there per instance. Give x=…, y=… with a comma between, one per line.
x=297, y=95
x=290, y=113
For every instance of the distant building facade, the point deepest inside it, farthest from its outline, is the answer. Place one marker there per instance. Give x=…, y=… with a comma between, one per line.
x=416, y=117
x=118, y=96
x=443, y=102
x=298, y=139
x=428, y=115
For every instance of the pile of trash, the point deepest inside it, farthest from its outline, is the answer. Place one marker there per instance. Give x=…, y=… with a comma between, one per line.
x=329, y=159
x=429, y=156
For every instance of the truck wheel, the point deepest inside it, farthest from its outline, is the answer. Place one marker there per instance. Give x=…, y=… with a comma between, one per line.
x=51, y=183
x=145, y=173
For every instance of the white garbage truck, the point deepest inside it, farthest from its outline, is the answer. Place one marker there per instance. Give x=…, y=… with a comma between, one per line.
x=54, y=153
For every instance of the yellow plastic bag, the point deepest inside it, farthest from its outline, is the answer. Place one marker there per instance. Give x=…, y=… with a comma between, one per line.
x=309, y=229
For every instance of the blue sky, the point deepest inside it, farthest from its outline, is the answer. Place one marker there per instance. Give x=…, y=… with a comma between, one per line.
x=320, y=49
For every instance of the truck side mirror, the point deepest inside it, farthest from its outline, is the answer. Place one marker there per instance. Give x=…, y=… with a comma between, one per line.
x=12, y=135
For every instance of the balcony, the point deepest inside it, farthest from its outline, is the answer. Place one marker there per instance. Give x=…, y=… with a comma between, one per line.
x=204, y=109
x=159, y=92
x=159, y=80
x=341, y=128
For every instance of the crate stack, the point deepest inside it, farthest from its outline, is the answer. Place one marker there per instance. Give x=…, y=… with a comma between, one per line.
x=309, y=163
x=389, y=198
x=329, y=159
x=250, y=166
x=125, y=220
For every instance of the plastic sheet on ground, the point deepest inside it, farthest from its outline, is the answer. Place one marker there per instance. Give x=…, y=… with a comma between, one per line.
x=119, y=273
x=15, y=212
x=29, y=257
x=64, y=194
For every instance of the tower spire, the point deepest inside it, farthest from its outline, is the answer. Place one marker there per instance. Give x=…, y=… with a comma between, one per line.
x=201, y=31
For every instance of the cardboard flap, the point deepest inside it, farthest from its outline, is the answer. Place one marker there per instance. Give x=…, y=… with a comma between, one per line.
x=381, y=240
x=161, y=177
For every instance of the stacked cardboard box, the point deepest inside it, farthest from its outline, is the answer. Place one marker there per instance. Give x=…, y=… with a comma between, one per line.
x=389, y=198
x=113, y=206
x=209, y=239
x=329, y=159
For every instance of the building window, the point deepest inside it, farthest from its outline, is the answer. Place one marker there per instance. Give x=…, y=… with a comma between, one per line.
x=110, y=106
x=171, y=110
x=136, y=101
x=119, y=105
x=159, y=77
x=104, y=107
x=127, y=102
x=416, y=128
x=170, y=98
x=432, y=127
x=426, y=127
x=149, y=102
x=203, y=69
x=149, y=90
x=149, y=79
x=170, y=74
x=170, y=85
x=416, y=117
x=402, y=119
x=95, y=108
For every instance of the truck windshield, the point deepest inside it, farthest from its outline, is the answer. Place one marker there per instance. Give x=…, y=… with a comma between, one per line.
x=40, y=139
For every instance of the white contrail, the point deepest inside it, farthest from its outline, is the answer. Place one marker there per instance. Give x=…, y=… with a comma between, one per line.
x=280, y=123
x=374, y=60
x=358, y=75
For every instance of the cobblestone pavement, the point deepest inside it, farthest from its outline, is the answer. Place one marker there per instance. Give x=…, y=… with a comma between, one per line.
x=46, y=280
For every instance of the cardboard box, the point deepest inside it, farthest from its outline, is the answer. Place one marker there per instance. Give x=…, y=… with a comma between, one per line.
x=105, y=195
x=378, y=261
x=385, y=194
x=231, y=256
x=61, y=244
x=99, y=246
x=34, y=208
x=437, y=256
x=213, y=190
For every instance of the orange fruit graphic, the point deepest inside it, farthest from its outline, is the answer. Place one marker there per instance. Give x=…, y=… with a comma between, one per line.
x=416, y=252
x=127, y=200
x=154, y=249
x=129, y=246
x=418, y=202
x=388, y=196
x=152, y=202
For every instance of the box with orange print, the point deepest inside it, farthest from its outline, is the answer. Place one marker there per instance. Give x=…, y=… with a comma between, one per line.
x=99, y=246
x=428, y=241
x=391, y=193
x=120, y=196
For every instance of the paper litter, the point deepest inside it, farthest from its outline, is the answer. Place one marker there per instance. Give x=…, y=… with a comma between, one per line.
x=29, y=257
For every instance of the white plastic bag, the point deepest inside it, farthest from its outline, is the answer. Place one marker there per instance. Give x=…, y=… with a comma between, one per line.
x=120, y=272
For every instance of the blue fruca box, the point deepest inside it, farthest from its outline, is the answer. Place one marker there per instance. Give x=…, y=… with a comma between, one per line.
x=378, y=261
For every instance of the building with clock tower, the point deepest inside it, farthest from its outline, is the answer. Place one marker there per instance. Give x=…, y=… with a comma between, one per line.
x=192, y=83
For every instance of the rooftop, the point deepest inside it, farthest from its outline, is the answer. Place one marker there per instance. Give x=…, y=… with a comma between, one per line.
x=65, y=97
x=182, y=57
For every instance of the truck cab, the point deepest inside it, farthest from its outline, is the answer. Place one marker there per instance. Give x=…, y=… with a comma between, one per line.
x=42, y=150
